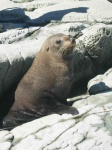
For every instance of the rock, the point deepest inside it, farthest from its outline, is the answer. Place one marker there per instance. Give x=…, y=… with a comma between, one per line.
x=35, y=5
x=98, y=99
x=41, y=3
x=5, y=140
x=91, y=128
x=7, y=4
x=98, y=46
x=12, y=14
x=101, y=83
x=100, y=0
x=5, y=146
x=9, y=26
x=20, y=42
x=108, y=119
x=21, y=1
x=92, y=55
x=1, y=27
x=65, y=28
x=16, y=35
x=42, y=126
x=64, y=11
x=5, y=136
x=83, y=11
x=66, y=131
x=4, y=66
x=14, y=62
x=110, y=1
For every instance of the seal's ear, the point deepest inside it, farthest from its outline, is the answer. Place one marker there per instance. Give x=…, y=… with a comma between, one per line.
x=47, y=49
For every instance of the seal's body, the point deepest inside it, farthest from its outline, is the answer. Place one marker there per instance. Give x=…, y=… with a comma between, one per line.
x=45, y=87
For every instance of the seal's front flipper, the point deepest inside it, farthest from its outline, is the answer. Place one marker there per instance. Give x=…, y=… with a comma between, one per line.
x=52, y=106
x=64, y=109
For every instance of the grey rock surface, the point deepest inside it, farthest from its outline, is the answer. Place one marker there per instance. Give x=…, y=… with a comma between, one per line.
x=14, y=62
x=13, y=35
x=43, y=1
x=5, y=140
x=110, y=1
x=80, y=11
x=101, y=83
x=91, y=129
x=72, y=11
x=21, y=1
x=40, y=3
x=12, y=14
x=98, y=46
x=9, y=26
x=1, y=27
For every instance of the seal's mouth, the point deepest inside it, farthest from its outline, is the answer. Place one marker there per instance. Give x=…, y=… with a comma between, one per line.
x=66, y=50
x=69, y=51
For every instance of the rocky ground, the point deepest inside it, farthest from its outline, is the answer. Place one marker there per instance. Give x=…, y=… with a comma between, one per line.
x=24, y=25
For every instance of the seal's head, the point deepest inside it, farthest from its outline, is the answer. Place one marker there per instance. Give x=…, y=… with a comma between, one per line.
x=60, y=44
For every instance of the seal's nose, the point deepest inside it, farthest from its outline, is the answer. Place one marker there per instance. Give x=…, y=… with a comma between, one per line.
x=72, y=40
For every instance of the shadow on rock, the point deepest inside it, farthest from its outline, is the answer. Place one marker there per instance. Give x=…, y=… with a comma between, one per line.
x=97, y=88
x=17, y=15
x=14, y=14
x=56, y=15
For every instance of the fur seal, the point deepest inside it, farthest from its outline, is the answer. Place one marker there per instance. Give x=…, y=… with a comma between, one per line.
x=45, y=87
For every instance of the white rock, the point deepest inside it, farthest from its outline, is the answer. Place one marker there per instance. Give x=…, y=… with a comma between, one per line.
x=21, y=1
x=13, y=35
x=109, y=120
x=98, y=46
x=14, y=62
x=65, y=28
x=84, y=11
x=80, y=11
x=5, y=136
x=26, y=129
x=7, y=4
x=98, y=99
x=88, y=144
x=100, y=83
x=65, y=132
x=5, y=146
x=40, y=3
x=5, y=140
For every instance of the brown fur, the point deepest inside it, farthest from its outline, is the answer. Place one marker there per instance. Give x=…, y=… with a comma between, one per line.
x=45, y=87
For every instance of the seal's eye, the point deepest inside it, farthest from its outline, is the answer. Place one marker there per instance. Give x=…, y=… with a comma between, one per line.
x=58, y=41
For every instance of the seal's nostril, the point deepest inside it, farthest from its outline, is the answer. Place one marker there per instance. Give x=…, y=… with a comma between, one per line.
x=72, y=40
